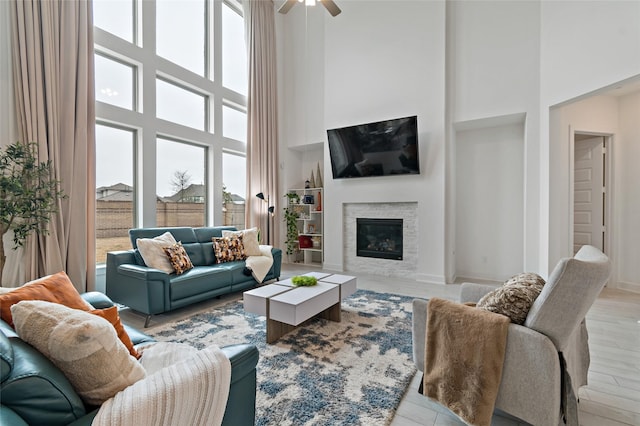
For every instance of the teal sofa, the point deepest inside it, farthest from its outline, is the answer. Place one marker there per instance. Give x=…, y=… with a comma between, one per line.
x=34, y=392
x=150, y=291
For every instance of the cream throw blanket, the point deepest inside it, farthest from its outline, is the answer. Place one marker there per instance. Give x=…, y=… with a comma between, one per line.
x=464, y=356
x=260, y=265
x=191, y=392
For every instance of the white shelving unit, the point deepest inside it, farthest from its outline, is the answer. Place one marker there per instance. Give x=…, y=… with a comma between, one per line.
x=310, y=224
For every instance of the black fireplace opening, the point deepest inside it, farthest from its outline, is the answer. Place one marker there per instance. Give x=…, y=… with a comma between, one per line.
x=379, y=238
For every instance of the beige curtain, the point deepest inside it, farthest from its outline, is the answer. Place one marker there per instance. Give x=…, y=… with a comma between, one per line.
x=55, y=102
x=262, y=117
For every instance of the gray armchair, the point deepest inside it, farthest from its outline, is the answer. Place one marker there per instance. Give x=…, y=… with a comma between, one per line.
x=531, y=385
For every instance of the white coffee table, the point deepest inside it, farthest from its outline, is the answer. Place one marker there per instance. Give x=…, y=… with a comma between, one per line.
x=287, y=306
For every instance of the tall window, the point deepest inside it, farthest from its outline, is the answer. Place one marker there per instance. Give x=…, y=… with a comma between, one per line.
x=164, y=103
x=234, y=176
x=180, y=33
x=115, y=82
x=180, y=184
x=115, y=189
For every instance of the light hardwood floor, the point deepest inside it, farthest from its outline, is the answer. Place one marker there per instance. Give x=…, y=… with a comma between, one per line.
x=611, y=398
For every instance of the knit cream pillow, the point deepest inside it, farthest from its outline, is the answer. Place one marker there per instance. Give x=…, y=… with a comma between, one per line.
x=151, y=250
x=84, y=347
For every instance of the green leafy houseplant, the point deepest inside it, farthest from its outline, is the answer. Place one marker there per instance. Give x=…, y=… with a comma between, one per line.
x=293, y=197
x=28, y=195
x=304, y=281
x=291, y=219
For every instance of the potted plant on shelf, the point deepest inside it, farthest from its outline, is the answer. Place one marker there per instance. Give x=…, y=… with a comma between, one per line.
x=291, y=219
x=293, y=197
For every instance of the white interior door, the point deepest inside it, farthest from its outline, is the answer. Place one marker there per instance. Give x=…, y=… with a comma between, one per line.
x=589, y=193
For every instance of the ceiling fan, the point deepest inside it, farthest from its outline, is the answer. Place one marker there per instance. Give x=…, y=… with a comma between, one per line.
x=330, y=5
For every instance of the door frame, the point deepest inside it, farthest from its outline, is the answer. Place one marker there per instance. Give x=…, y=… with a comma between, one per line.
x=608, y=179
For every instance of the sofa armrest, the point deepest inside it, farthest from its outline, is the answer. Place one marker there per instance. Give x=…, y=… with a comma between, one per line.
x=10, y=417
x=141, y=288
x=241, y=405
x=531, y=378
x=419, y=331
x=472, y=292
x=532, y=393
x=97, y=300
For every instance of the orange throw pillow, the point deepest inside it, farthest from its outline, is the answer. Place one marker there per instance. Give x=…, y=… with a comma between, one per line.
x=56, y=288
x=111, y=315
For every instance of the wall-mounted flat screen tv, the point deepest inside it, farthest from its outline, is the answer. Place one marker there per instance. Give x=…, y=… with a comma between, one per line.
x=382, y=148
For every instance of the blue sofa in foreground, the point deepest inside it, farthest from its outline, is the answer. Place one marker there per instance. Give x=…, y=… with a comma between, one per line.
x=33, y=391
x=150, y=291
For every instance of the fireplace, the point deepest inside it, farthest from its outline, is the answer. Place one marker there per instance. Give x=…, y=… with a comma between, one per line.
x=379, y=238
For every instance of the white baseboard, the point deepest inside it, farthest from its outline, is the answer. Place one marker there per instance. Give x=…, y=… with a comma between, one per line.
x=431, y=279
x=332, y=267
x=624, y=285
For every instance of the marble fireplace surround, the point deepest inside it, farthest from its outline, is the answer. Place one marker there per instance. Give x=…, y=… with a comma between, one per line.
x=408, y=212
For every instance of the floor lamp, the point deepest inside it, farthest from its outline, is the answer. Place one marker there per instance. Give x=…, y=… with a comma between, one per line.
x=270, y=211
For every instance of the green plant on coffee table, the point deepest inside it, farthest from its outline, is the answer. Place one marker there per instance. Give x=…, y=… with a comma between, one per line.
x=304, y=281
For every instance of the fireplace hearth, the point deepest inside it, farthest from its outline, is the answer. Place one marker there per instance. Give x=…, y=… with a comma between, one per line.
x=379, y=238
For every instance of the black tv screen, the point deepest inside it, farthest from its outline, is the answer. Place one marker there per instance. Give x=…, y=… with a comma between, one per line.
x=382, y=148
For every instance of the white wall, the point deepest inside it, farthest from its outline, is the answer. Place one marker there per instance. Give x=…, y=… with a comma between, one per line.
x=627, y=183
x=495, y=55
x=593, y=115
x=616, y=116
x=386, y=60
x=490, y=202
x=584, y=46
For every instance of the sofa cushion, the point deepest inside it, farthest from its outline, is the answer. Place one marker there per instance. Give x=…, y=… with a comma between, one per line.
x=178, y=258
x=199, y=280
x=180, y=233
x=206, y=234
x=52, y=288
x=209, y=253
x=38, y=391
x=151, y=250
x=6, y=357
x=228, y=249
x=195, y=253
x=249, y=240
x=84, y=347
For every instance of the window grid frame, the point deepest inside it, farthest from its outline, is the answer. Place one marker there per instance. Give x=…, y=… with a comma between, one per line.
x=147, y=127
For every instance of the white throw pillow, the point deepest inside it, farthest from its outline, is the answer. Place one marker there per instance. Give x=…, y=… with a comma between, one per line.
x=153, y=254
x=83, y=346
x=249, y=240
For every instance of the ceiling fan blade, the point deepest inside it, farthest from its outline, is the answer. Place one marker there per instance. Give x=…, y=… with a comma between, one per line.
x=287, y=5
x=331, y=6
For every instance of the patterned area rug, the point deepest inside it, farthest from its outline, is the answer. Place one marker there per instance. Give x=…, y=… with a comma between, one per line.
x=349, y=373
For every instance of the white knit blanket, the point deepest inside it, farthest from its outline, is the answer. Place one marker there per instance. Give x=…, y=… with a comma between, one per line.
x=260, y=265
x=193, y=391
